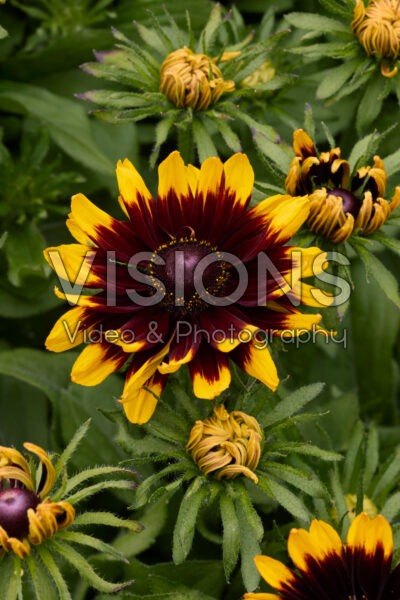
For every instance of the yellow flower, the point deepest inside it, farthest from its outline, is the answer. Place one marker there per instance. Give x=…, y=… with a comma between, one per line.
x=339, y=205
x=226, y=444
x=195, y=80
x=158, y=317
x=27, y=514
x=329, y=569
x=378, y=29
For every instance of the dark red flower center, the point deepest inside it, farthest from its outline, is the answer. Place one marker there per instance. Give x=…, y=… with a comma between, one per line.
x=14, y=505
x=190, y=270
x=351, y=204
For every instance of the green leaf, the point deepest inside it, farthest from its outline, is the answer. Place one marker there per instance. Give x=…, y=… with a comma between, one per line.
x=273, y=151
x=70, y=449
x=249, y=548
x=80, y=563
x=292, y=404
x=249, y=511
x=340, y=503
x=375, y=268
x=13, y=590
x=106, y=518
x=143, y=491
x=318, y=23
x=87, y=492
x=387, y=241
x=204, y=144
x=361, y=150
x=55, y=572
x=64, y=119
x=309, y=125
x=307, y=483
x=371, y=103
x=24, y=248
x=162, y=129
x=87, y=540
x=3, y=33
x=284, y=497
x=229, y=136
x=385, y=480
x=206, y=40
x=371, y=460
x=41, y=581
x=335, y=78
x=392, y=163
x=391, y=508
x=186, y=520
x=153, y=521
x=353, y=451
x=83, y=476
x=231, y=534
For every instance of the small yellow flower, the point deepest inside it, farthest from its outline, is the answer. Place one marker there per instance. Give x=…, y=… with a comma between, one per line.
x=195, y=80
x=378, y=29
x=227, y=444
x=339, y=205
x=27, y=514
x=263, y=74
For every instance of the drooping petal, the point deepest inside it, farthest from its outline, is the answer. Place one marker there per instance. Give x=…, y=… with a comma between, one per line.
x=96, y=362
x=255, y=359
x=184, y=347
x=141, y=404
x=303, y=145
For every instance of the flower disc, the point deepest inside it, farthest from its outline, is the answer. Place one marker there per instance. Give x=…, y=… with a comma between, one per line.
x=14, y=505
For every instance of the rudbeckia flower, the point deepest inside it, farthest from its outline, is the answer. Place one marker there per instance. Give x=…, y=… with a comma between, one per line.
x=358, y=570
x=339, y=204
x=27, y=515
x=180, y=282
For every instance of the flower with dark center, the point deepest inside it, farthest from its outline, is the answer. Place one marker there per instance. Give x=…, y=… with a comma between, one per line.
x=226, y=444
x=339, y=204
x=329, y=570
x=377, y=27
x=169, y=276
x=27, y=515
x=195, y=80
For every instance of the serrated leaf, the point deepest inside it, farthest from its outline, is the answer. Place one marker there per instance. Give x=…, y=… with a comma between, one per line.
x=55, y=572
x=204, y=144
x=292, y=403
x=249, y=548
x=186, y=521
x=284, y=497
x=231, y=534
x=41, y=581
x=352, y=453
x=319, y=23
x=335, y=78
x=305, y=482
x=83, y=539
x=70, y=449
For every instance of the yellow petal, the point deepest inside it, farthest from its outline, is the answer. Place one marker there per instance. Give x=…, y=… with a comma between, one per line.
x=131, y=184
x=94, y=364
x=47, y=464
x=172, y=174
x=210, y=179
x=66, y=333
x=239, y=178
x=72, y=262
x=139, y=404
x=283, y=215
x=256, y=360
x=275, y=573
x=210, y=389
x=76, y=231
x=303, y=145
x=89, y=217
x=255, y=596
x=366, y=534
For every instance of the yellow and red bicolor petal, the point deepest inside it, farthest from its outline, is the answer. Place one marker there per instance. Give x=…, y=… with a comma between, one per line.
x=210, y=374
x=272, y=222
x=176, y=183
x=275, y=573
x=288, y=324
x=73, y=263
x=103, y=230
x=319, y=544
x=148, y=327
x=96, y=362
x=255, y=359
x=303, y=145
x=239, y=182
x=139, y=204
x=183, y=348
x=310, y=296
x=140, y=404
x=226, y=328
x=370, y=537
